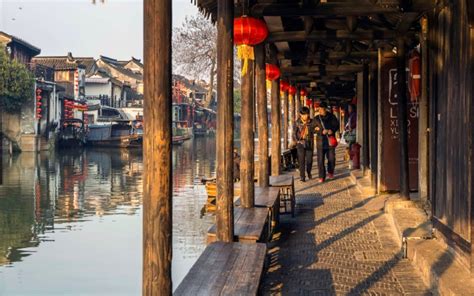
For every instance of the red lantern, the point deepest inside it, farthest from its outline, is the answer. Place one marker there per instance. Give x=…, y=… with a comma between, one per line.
x=309, y=102
x=303, y=92
x=292, y=90
x=272, y=71
x=284, y=85
x=248, y=31
x=316, y=104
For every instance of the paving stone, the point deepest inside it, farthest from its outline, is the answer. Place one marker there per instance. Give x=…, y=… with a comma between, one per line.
x=338, y=244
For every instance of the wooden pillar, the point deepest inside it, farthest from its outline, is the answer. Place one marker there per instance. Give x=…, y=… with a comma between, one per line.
x=403, y=119
x=373, y=128
x=260, y=77
x=365, y=121
x=285, y=119
x=247, y=137
x=311, y=108
x=292, y=99
x=423, y=151
x=276, y=128
x=157, y=189
x=297, y=104
x=225, y=121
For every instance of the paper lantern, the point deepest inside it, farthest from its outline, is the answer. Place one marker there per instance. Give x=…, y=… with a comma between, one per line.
x=292, y=90
x=272, y=72
x=284, y=85
x=303, y=92
x=248, y=31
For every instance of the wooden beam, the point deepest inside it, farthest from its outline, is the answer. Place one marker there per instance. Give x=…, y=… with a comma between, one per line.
x=294, y=36
x=322, y=68
x=333, y=55
x=260, y=77
x=403, y=120
x=247, y=138
x=276, y=128
x=157, y=188
x=297, y=10
x=407, y=21
x=225, y=121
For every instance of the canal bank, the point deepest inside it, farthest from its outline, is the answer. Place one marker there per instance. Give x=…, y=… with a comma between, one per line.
x=70, y=222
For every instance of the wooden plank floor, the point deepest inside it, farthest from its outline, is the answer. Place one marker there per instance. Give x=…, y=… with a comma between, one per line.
x=225, y=269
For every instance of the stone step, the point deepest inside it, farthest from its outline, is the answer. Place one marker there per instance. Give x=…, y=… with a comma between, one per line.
x=363, y=183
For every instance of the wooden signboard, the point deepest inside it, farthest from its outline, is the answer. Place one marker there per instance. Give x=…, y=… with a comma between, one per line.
x=389, y=160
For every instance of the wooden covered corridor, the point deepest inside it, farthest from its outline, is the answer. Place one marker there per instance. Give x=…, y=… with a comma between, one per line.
x=414, y=123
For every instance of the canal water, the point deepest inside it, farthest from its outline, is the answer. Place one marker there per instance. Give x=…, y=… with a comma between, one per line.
x=71, y=222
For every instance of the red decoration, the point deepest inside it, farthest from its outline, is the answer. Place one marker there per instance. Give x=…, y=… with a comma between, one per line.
x=284, y=85
x=303, y=92
x=309, y=102
x=38, y=103
x=292, y=90
x=249, y=31
x=272, y=71
x=414, y=79
x=316, y=104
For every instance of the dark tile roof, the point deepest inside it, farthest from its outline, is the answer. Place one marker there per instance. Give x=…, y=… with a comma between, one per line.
x=66, y=62
x=115, y=64
x=35, y=50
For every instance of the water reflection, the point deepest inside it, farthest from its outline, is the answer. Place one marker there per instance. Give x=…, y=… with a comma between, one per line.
x=79, y=215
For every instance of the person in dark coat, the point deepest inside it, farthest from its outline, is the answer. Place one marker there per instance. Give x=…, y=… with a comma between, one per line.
x=326, y=125
x=303, y=136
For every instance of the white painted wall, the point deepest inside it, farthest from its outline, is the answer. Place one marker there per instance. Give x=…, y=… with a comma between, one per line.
x=97, y=89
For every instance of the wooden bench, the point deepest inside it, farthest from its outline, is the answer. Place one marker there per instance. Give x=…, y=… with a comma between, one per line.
x=286, y=184
x=211, y=189
x=225, y=269
x=268, y=198
x=249, y=225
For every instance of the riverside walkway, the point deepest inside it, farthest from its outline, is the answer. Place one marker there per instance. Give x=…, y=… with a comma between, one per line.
x=339, y=243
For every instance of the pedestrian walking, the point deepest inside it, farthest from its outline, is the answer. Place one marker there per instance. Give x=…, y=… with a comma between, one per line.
x=303, y=136
x=326, y=125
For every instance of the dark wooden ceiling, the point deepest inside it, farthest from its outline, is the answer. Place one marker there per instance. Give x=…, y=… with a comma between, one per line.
x=322, y=45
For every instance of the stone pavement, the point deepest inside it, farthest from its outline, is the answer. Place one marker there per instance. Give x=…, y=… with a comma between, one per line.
x=337, y=245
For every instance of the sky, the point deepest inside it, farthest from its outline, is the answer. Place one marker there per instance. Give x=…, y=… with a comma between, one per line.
x=113, y=28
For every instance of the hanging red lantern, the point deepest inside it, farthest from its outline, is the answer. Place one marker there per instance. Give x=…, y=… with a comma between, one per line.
x=272, y=71
x=303, y=92
x=292, y=90
x=248, y=31
x=284, y=85
x=414, y=79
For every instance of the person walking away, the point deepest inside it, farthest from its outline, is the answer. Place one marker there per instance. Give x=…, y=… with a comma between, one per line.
x=303, y=136
x=326, y=125
x=350, y=129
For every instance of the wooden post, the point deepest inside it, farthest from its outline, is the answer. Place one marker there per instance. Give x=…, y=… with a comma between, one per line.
x=285, y=119
x=291, y=116
x=276, y=128
x=297, y=104
x=311, y=108
x=225, y=121
x=247, y=137
x=157, y=189
x=263, y=176
x=423, y=151
x=373, y=130
x=365, y=121
x=403, y=120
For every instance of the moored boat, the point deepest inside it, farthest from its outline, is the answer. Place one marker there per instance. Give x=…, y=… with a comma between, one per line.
x=72, y=133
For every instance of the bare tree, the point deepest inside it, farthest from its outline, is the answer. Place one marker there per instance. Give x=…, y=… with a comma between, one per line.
x=195, y=51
